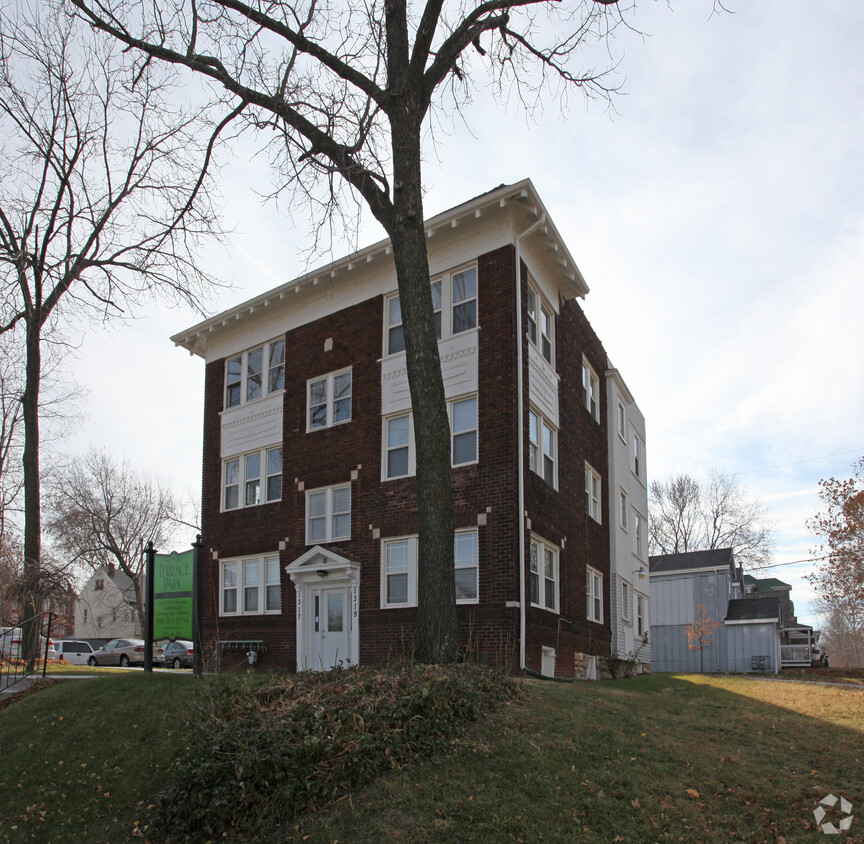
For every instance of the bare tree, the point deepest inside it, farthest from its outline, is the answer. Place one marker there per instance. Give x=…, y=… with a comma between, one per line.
x=102, y=199
x=685, y=514
x=343, y=93
x=103, y=513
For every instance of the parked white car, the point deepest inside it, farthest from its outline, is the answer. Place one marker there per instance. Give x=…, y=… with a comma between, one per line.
x=10, y=644
x=73, y=651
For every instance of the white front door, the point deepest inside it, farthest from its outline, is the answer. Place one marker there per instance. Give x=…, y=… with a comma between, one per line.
x=330, y=627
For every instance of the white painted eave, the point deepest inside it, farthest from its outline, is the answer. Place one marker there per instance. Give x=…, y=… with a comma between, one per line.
x=522, y=193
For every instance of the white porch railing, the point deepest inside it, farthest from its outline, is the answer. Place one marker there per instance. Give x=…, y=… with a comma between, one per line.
x=794, y=654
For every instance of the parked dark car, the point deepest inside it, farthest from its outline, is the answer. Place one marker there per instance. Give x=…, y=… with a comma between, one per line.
x=124, y=652
x=178, y=654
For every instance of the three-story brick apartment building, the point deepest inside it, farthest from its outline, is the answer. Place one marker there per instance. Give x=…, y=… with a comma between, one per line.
x=309, y=494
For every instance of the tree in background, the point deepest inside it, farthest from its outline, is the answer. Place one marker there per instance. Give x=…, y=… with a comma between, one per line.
x=699, y=632
x=102, y=201
x=685, y=514
x=102, y=513
x=839, y=580
x=343, y=95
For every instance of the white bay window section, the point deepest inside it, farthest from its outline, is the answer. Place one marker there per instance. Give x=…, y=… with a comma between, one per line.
x=590, y=390
x=594, y=591
x=454, y=303
x=243, y=483
x=250, y=586
x=399, y=569
x=328, y=400
x=399, y=456
x=543, y=574
x=328, y=514
x=255, y=373
x=541, y=447
x=593, y=506
x=541, y=324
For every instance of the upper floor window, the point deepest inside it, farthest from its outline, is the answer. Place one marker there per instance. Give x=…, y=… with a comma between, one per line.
x=622, y=505
x=541, y=447
x=454, y=303
x=543, y=574
x=251, y=479
x=622, y=422
x=541, y=324
x=590, y=390
x=399, y=569
x=638, y=457
x=399, y=455
x=638, y=534
x=250, y=586
x=328, y=400
x=593, y=506
x=594, y=591
x=99, y=585
x=328, y=514
x=255, y=373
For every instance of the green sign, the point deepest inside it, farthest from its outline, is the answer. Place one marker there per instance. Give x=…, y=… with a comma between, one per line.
x=172, y=596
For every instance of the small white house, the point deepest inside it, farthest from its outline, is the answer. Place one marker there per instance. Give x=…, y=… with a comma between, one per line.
x=106, y=607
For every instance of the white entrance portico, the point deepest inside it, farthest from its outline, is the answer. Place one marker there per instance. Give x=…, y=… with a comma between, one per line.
x=327, y=587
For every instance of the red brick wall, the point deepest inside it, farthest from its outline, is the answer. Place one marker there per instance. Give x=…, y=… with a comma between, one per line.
x=489, y=630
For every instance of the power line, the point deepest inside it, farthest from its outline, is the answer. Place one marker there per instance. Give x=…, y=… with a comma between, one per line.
x=797, y=462
x=798, y=562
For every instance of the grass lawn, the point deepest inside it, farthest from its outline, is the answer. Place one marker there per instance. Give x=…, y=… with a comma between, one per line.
x=663, y=758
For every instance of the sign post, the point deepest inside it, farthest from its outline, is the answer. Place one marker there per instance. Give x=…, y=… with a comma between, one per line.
x=149, y=566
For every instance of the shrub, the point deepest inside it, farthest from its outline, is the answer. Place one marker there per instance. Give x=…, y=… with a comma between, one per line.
x=257, y=756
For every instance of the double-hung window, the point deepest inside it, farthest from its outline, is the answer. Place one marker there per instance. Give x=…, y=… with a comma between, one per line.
x=590, y=390
x=638, y=534
x=250, y=586
x=399, y=569
x=251, y=479
x=594, y=590
x=626, y=601
x=622, y=422
x=638, y=456
x=593, y=505
x=541, y=447
x=328, y=514
x=641, y=606
x=399, y=456
x=454, y=304
x=622, y=509
x=328, y=400
x=543, y=574
x=254, y=374
x=541, y=324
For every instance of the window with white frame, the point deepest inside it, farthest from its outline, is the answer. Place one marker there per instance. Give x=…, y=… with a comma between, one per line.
x=251, y=479
x=543, y=574
x=626, y=601
x=638, y=534
x=641, y=609
x=328, y=400
x=250, y=586
x=541, y=446
x=593, y=505
x=594, y=589
x=328, y=514
x=399, y=569
x=638, y=456
x=541, y=324
x=622, y=509
x=398, y=452
x=454, y=302
x=590, y=390
x=255, y=374
x=622, y=422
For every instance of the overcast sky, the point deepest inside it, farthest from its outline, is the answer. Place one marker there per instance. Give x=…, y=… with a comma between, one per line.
x=716, y=216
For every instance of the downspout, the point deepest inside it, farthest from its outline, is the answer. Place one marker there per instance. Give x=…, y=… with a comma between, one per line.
x=520, y=438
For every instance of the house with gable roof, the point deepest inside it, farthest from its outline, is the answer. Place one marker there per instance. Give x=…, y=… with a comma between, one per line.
x=309, y=513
